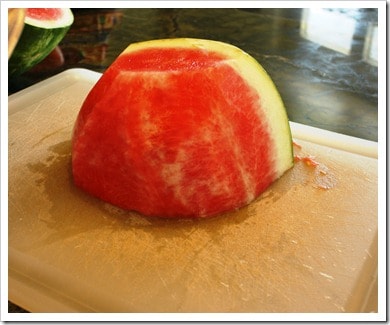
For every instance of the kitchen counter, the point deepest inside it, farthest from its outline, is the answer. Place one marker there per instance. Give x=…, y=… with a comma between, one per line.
x=324, y=62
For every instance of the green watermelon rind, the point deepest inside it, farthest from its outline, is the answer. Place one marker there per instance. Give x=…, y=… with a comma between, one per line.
x=35, y=43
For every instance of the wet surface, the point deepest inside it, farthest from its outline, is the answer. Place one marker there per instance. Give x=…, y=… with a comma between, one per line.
x=236, y=261
x=327, y=76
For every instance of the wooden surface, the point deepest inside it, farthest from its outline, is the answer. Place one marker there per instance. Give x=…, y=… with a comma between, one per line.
x=308, y=244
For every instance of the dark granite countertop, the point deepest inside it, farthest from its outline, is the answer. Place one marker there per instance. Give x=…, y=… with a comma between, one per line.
x=323, y=61
x=316, y=57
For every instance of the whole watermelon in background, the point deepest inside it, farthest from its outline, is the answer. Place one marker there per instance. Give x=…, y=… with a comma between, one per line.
x=181, y=128
x=43, y=30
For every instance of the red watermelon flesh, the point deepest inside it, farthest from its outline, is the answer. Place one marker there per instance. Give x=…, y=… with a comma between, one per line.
x=44, y=13
x=173, y=132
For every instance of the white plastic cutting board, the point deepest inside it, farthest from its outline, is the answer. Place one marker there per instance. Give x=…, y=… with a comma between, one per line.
x=298, y=248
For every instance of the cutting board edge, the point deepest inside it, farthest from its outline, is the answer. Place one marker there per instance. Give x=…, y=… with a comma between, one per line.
x=73, y=76
x=47, y=87
x=299, y=131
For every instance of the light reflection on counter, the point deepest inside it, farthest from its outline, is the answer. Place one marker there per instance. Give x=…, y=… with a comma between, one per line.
x=333, y=30
x=370, y=51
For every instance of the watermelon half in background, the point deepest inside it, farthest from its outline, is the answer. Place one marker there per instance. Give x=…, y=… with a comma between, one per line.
x=43, y=30
x=181, y=128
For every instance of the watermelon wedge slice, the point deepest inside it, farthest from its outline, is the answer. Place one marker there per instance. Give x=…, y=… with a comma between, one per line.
x=181, y=128
x=44, y=28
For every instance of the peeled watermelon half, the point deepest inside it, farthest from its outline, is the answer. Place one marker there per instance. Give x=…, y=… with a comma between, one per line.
x=181, y=128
